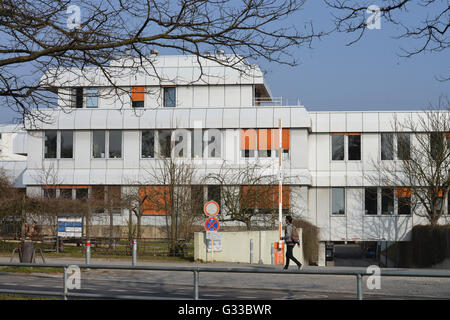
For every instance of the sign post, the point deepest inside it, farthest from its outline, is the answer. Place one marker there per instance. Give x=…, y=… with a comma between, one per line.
x=211, y=209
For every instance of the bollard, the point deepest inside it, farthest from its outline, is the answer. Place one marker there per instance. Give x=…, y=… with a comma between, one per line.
x=272, y=254
x=26, y=254
x=88, y=252
x=134, y=253
x=251, y=251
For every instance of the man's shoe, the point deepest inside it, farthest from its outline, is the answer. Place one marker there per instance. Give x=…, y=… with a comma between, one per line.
x=285, y=268
x=300, y=267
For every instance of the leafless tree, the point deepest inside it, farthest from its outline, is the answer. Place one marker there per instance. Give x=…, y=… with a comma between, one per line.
x=430, y=31
x=169, y=190
x=420, y=171
x=249, y=194
x=54, y=38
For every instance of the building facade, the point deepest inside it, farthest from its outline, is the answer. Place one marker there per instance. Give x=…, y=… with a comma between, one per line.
x=110, y=138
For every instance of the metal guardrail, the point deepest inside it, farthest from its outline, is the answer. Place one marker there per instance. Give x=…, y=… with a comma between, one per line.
x=359, y=274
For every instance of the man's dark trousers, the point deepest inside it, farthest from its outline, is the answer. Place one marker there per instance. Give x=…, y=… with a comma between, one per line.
x=289, y=255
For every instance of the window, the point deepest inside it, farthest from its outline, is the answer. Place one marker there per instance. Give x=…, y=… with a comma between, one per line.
x=214, y=194
x=354, y=146
x=66, y=144
x=50, y=193
x=214, y=143
x=164, y=141
x=137, y=97
x=169, y=97
x=114, y=196
x=50, y=144
x=264, y=198
x=387, y=146
x=197, y=200
x=371, y=201
x=387, y=201
x=197, y=143
x=98, y=144
x=403, y=146
x=115, y=144
x=337, y=145
x=338, y=201
x=82, y=194
x=65, y=193
x=404, y=200
x=77, y=98
x=98, y=196
x=155, y=199
x=92, y=98
x=148, y=144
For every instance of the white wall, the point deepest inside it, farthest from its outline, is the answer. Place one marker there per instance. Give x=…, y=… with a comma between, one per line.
x=236, y=247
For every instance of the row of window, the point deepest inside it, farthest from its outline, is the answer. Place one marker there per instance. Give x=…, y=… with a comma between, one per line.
x=352, y=143
x=379, y=200
x=199, y=143
x=88, y=97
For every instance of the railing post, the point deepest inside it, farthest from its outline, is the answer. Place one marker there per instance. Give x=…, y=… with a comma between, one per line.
x=134, y=253
x=359, y=292
x=88, y=252
x=65, y=284
x=196, y=284
x=251, y=251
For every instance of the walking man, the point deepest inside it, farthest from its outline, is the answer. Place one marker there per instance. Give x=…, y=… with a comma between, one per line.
x=291, y=239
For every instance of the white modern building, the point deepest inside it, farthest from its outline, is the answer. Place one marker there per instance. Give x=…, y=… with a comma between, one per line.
x=103, y=137
x=13, y=153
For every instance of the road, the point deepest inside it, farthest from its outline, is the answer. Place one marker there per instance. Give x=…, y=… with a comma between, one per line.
x=221, y=286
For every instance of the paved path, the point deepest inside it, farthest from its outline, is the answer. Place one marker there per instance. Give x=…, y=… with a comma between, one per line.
x=232, y=285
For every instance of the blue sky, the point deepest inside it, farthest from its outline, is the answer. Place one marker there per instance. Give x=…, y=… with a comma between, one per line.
x=370, y=74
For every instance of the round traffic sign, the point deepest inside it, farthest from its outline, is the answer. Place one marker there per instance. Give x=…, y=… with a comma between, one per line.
x=212, y=224
x=211, y=208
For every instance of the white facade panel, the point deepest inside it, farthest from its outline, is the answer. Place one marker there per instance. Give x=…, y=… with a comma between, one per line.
x=354, y=212
x=83, y=119
x=201, y=96
x=246, y=95
x=264, y=118
x=338, y=122
x=115, y=119
x=354, y=122
x=164, y=119
x=231, y=118
x=370, y=121
x=185, y=96
x=99, y=120
x=131, y=149
x=216, y=96
x=214, y=118
x=232, y=96
x=322, y=122
x=338, y=228
x=247, y=118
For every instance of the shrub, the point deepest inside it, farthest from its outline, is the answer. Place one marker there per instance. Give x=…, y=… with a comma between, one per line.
x=310, y=240
x=431, y=244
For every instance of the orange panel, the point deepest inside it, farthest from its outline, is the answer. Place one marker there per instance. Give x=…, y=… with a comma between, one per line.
x=264, y=139
x=137, y=93
x=154, y=203
x=65, y=187
x=248, y=139
x=353, y=133
x=285, y=143
x=403, y=192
